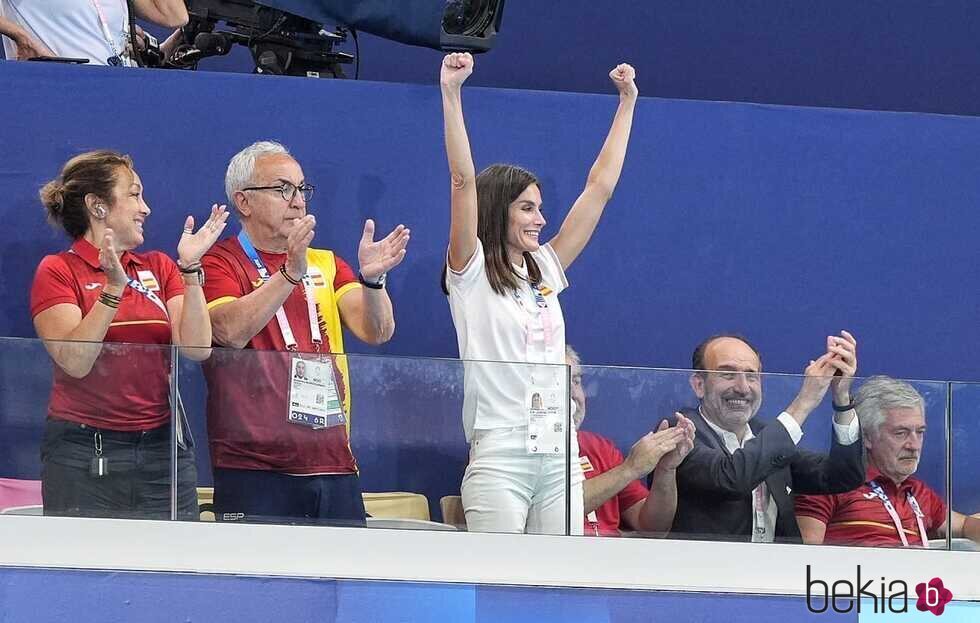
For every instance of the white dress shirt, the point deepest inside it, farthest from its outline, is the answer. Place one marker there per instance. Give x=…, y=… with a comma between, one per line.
x=764, y=509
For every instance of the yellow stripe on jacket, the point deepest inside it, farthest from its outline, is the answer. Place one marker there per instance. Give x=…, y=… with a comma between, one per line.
x=326, y=300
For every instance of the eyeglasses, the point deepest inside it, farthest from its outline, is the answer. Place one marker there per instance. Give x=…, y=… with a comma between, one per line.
x=288, y=190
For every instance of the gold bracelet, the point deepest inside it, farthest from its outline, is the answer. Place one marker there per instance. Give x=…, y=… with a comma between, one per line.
x=109, y=300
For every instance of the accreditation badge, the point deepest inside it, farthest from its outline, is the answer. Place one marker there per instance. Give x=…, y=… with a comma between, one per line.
x=546, y=421
x=313, y=397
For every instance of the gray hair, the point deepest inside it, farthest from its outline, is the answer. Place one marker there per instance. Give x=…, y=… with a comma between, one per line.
x=879, y=394
x=242, y=165
x=572, y=356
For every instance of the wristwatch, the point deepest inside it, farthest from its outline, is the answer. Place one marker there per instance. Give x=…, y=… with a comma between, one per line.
x=378, y=284
x=194, y=269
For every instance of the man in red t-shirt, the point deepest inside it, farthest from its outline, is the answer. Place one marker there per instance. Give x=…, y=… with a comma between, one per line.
x=278, y=413
x=615, y=498
x=892, y=507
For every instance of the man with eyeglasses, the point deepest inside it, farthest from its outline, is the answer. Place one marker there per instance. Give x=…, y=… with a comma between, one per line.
x=738, y=481
x=891, y=508
x=278, y=420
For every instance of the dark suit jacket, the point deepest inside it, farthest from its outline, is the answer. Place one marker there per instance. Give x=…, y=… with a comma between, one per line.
x=714, y=488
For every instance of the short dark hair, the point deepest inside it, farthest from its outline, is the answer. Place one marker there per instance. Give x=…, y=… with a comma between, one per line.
x=697, y=359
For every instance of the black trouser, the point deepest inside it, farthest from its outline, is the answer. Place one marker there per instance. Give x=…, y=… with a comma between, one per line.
x=137, y=479
x=272, y=497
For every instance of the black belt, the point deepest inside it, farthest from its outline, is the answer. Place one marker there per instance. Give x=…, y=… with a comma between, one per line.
x=153, y=434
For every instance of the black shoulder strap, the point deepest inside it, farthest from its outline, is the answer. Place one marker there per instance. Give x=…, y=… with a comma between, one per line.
x=131, y=11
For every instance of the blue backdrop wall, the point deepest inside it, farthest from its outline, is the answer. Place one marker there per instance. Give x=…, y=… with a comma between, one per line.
x=908, y=55
x=782, y=223
x=879, y=54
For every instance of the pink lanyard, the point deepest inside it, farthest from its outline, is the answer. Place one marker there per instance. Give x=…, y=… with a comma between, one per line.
x=760, y=503
x=116, y=58
x=287, y=332
x=538, y=327
x=890, y=508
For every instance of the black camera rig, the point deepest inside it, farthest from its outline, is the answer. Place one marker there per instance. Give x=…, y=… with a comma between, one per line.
x=281, y=43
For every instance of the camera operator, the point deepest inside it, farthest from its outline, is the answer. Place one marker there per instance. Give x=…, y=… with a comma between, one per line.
x=98, y=30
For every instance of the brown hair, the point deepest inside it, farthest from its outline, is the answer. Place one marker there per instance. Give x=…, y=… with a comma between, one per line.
x=93, y=172
x=498, y=186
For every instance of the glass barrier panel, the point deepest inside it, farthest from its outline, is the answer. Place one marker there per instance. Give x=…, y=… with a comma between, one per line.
x=964, y=439
x=360, y=440
x=750, y=488
x=87, y=431
x=393, y=442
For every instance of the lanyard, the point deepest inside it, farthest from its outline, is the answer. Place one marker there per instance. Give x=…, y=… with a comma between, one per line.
x=760, y=495
x=760, y=504
x=890, y=508
x=538, y=327
x=139, y=287
x=287, y=332
x=592, y=518
x=116, y=59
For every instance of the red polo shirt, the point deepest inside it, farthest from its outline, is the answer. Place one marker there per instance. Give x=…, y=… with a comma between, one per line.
x=858, y=517
x=597, y=455
x=248, y=389
x=128, y=388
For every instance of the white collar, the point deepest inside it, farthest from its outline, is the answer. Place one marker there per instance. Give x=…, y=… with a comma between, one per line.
x=727, y=436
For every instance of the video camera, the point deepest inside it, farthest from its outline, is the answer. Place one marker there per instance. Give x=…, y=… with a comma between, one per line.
x=281, y=43
x=287, y=37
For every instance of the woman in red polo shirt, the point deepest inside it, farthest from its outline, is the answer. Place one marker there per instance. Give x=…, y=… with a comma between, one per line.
x=106, y=449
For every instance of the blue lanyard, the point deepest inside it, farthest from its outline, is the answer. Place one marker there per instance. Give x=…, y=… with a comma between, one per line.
x=139, y=287
x=253, y=255
x=284, y=328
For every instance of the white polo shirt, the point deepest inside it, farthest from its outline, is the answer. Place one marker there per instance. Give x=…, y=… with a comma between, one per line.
x=70, y=28
x=492, y=328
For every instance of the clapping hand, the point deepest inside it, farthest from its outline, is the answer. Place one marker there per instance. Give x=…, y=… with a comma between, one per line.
x=675, y=457
x=844, y=351
x=109, y=260
x=377, y=257
x=817, y=378
x=193, y=245
x=651, y=449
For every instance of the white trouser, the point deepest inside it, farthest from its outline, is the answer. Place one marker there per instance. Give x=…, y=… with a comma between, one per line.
x=505, y=489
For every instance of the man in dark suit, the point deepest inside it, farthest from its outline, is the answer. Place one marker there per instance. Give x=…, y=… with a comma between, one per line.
x=737, y=482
